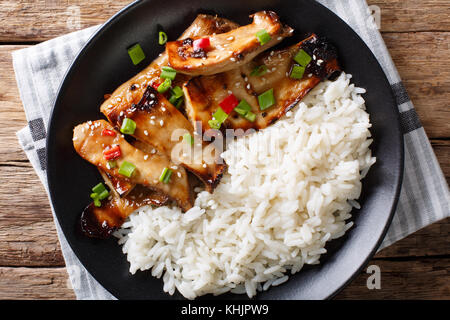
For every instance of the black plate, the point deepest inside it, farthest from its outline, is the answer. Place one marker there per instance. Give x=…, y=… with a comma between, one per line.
x=104, y=64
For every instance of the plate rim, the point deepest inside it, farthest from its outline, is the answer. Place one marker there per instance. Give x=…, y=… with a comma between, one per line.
x=98, y=33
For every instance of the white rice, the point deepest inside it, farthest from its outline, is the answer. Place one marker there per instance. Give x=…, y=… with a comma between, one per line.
x=273, y=211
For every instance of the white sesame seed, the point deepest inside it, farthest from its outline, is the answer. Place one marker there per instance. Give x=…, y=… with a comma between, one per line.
x=153, y=151
x=153, y=117
x=280, y=38
x=75, y=138
x=121, y=113
x=314, y=57
x=119, y=99
x=174, y=167
x=152, y=122
x=273, y=69
x=246, y=79
x=233, y=59
x=89, y=122
x=248, y=86
x=146, y=132
x=152, y=95
x=272, y=53
x=163, y=109
x=161, y=122
x=230, y=38
x=310, y=75
x=230, y=92
x=92, y=127
x=179, y=174
x=146, y=157
x=204, y=165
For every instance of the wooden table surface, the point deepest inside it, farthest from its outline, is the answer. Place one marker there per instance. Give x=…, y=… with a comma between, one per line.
x=417, y=33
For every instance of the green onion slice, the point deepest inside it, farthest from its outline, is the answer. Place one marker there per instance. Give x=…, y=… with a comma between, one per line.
x=99, y=188
x=214, y=124
x=177, y=92
x=103, y=195
x=179, y=102
x=94, y=195
x=297, y=72
x=128, y=126
x=188, y=138
x=302, y=58
x=162, y=38
x=263, y=36
x=136, y=54
x=266, y=99
x=126, y=169
x=220, y=115
x=173, y=100
x=168, y=73
x=163, y=87
x=250, y=116
x=165, y=175
x=97, y=202
x=242, y=108
x=259, y=71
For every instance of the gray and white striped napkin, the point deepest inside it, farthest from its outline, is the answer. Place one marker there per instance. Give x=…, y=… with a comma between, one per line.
x=424, y=197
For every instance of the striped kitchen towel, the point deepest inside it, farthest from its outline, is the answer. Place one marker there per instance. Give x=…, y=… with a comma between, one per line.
x=424, y=197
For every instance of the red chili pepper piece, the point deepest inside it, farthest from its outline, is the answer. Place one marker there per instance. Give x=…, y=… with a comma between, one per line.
x=112, y=153
x=203, y=43
x=155, y=85
x=229, y=103
x=107, y=132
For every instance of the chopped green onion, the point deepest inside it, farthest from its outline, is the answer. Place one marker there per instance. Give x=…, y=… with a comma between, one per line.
x=302, y=58
x=176, y=97
x=136, y=54
x=111, y=164
x=189, y=139
x=162, y=38
x=177, y=92
x=179, y=102
x=220, y=115
x=97, y=202
x=128, y=126
x=126, y=169
x=99, y=188
x=242, y=108
x=214, y=124
x=266, y=99
x=103, y=195
x=250, y=116
x=297, y=72
x=165, y=175
x=263, y=36
x=94, y=195
x=168, y=73
x=173, y=100
x=259, y=71
x=163, y=87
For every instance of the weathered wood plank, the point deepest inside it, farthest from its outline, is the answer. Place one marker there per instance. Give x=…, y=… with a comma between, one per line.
x=34, y=283
x=40, y=20
x=423, y=61
x=413, y=15
x=417, y=279
x=430, y=241
x=404, y=280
